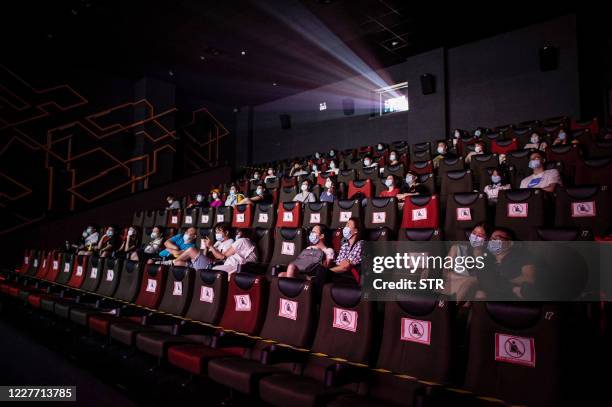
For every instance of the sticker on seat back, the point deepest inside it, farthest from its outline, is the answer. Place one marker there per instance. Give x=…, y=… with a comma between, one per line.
x=79, y=271
x=345, y=319
x=287, y=216
x=518, y=210
x=94, y=272
x=204, y=219
x=240, y=217
x=379, y=217
x=416, y=330
x=315, y=218
x=207, y=294
x=419, y=214
x=345, y=216
x=188, y=219
x=110, y=274
x=55, y=264
x=66, y=267
x=220, y=218
x=287, y=309
x=243, y=302
x=288, y=248
x=464, y=214
x=178, y=288
x=174, y=219
x=263, y=218
x=517, y=350
x=583, y=209
x=151, y=285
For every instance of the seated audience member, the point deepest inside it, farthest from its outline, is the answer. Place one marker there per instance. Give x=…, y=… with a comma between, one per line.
x=130, y=244
x=234, y=197
x=88, y=241
x=393, y=158
x=199, y=202
x=242, y=251
x=256, y=176
x=498, y=183
x=270, y=174
x=479, y=148
x=332, y=154
x=563, y=138
x=460, y=281
x=332, y=168
x=173, y=203
x=348, y=262
x=541, y=178
x=391, y=184
x=261, y=195
x=178, y=243
x=297, y=169
x=211, y=253
x=314, y=255
x=314, y=168
x=305, y=195
x=536, y=143
x=441, y=153
x=108, y=243
x=507, y=268
x=215, y=200
x=151, y=249
x=329, y=193
x=368, y=162
x=411, y=186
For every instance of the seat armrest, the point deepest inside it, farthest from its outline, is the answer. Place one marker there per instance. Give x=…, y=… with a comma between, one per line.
x=274, y=354
x=190, y=328
x=84, y=298
x=253, y=268
x=341, y=374
x=224, y=339
x=277, y=269
x=159, y=319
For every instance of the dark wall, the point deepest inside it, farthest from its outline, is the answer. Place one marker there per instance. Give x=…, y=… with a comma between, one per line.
x=498, y=80
x=54, y=233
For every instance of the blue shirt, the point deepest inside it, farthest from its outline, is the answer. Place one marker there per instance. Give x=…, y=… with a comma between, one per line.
x=179, y=242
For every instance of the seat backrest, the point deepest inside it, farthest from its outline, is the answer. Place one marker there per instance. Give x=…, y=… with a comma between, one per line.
x=454, y=182
x=121, y=279
x=568, y=154
x=345, y=209
x=463, y=211
x=520, y=210
x=174, y=218
x=519, y=159
x=369, y=173
x=190, y=217
x=421, y=167
x=161, y=217
x=45, y=261
x=152, y=286
x=381, y=213
x=287, y=194
x=138, y=218
x=594, y=171
x=504, y=146
x=245, y=303
x=209, y=296
x=316, y=213
x=515, y=352
x=585, y=207
x=67, y=267
x=243, y=216
x=564, y=234
x=288, y=243
x=272, y=183
x=177, y=293
x=322, y=178
x=263, y=240
x=149, y=219
x=450, y=164
x=289, y=215
x=419, y=235
x=79, y=271
x=363, y=188
x=55, y=266
x=206, y=218
x=265, y=216
x=223, y=214
x=347, y=176
x=94, y=273
x=421, y=212
x=397, y=170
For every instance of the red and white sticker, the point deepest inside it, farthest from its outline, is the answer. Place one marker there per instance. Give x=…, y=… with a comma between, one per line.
x=288, y=309
x=188, y=219
x=26, y=260
x=243, y=302
x=315, y=218
x=515, y=349
x=204, y=219
x=93, y=273
x=55, y=264
x=287, y=216
x=416, y=330
x=79, y=271
x=288, y=248
x=240, y=217
x=345, y=216
x=66, y=267
x=379, y=217
x=518, y=210
x=220, y=218
x=44, y=263
x=345, y=319
x=419, y=214
x=464, y=214
x=174, y=219
x=207, y=294
x=151, y=285
x=583, y=209
x=263, y=218
x=110, y=274
x=35, y=263
x=178, y=288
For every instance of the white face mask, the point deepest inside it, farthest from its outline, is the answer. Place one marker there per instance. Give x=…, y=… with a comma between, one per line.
x=131, y=232
x=215, y=195
x=259, y=191
x=332, y=165
x=85, y=234
x=328, y=184
x=441, y=150
x=478, y=149
x=367, y=163
x=535, y=139
x=186, y=238
x=392, y=157
x=232, y=192
x=332, y=153
x=380, y=147
x=457, y=134
x=170, y=201
x=304, y=187
x=199, y=198
x=317, y=155
x=109, y=233
x=409, y=179
x=89, y=231
x=477, y=133
x=154, y=235
x=389, y=183
x=314, y=167
x=219, y=236
x=270, y=172
x=256, y=176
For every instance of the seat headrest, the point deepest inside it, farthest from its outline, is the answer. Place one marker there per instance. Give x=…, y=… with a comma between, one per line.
x=209, y=277
x=418, y=304
x=466, y=198
x=264, y=207
x=290, y=233
x=375, y=234
x=420, y=164
x=291, y=287
x=289, y=206
x=345, y=296
x=517, y=194
x=245, y=280
x=371, y=170
x=492, y=135
x=260, y=232
x=360, y=182
x=519, y=153
x=420, y=200
x=394, y=168
x=582, y=192
x=455, y=175
x=179, y=272
x=316, y=206
x=451, y=161
x=504, y=143
x=558, y=235
x=130, y=265
x=346, y=203
x=484, y=157
x=241, y=208
x=381, y=202
x=419, y=235
x=514, y=315
x=418, y=147
x=598, y=162
x=347, y=172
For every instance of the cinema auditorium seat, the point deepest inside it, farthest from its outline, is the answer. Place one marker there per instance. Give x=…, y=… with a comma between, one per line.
x=463, y=211
x=290, y=320
x=382, y=214
x=454, y=182
x=73, y=279
x=288, y=244
x=316, y=213
x=584, y=207
x=345, y=331
x=520, y=210
x=289, y=215
x=90, y=281
x=344, y=210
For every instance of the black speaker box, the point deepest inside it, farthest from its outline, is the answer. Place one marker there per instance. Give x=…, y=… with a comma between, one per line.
x=428, y=84
x=285, y=120
x=549, y=58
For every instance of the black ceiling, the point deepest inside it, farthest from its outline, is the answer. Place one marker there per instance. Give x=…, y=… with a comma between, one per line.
x=198, y=44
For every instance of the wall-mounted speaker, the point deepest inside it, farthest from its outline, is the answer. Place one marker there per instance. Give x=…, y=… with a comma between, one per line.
x=285, y=120
x=348, y=105
x=549, y=58
x=428, y=84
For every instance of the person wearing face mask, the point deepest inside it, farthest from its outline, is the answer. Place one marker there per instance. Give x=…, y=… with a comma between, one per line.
x=393, y=158
x=411, y=186
x=150, y=249
x=256, y=176
x=329, y=194
x=541, y=178
x=507, y=267
x=234, y=197
x=298, y=170
x=461, y=281
x=199, y=201
x=172, y=202
x=130, y=243
x=178, y=243
x=210, y=252
x=317, y=254
x=479, y=148
x=305, y=195
x=332, y=154
x=260, y=195
x=270, y=174
x=243, y=250
x=348, y=262
x=536, y=143
x=441, y=153
x=215, y=198
x=108, y=243
x=88, y=241
x=368, y=162
x=391, y=184
x=498, y=182
x=562, y=139
x=332, y=168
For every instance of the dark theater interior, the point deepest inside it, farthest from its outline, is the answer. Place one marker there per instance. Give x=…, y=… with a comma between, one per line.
x=305, y=203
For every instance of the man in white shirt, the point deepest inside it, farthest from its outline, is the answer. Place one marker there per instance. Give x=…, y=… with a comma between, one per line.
x=541, y=178
x=208, y=252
